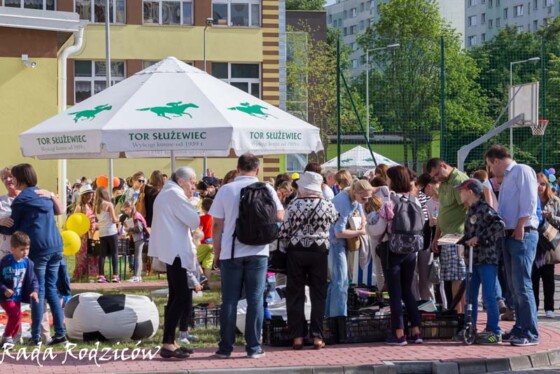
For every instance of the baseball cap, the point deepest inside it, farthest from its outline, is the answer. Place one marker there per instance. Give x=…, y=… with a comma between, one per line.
x=472, y=184
x=295, y=176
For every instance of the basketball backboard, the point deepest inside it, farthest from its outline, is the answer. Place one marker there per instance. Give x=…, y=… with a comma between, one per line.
x=525, y=101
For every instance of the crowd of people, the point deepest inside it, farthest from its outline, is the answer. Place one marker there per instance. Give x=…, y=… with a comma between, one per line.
x=396, y=217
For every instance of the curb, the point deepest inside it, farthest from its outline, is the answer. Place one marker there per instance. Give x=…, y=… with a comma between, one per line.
x=490, y=365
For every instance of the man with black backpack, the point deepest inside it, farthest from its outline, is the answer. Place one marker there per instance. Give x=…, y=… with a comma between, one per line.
x=245, y=214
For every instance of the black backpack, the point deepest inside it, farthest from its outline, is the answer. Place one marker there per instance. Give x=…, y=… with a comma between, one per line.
x=256, y=224
x=407, y=226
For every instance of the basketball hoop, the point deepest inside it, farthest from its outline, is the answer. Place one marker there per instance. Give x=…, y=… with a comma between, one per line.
x=540, y=128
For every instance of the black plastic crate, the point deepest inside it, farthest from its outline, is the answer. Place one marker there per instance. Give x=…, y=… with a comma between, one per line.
x=275, y=333
x=441, y=326
x=204, y=316
x=364, y=328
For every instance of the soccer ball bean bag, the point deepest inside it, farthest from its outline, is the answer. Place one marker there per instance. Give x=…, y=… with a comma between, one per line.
x=96, y=317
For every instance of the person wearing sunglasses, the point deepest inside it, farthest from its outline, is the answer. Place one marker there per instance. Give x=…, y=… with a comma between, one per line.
x=138, y=181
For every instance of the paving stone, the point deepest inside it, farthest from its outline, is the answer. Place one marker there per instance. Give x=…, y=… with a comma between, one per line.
x=539, y=360
x=327, y=370
x=445, y=368
x=520, y=363
x=384, y=369
x=472, y=367
x=413, y=367
x=497, y=364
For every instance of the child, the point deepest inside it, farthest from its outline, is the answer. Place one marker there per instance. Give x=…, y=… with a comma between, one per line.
x=135, y=225
x=108, y=234
x=483, y=228
x=17, y=284
x=205, y=250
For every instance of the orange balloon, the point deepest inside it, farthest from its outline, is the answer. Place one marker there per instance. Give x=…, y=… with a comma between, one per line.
x=102, y=181
x=116, y=182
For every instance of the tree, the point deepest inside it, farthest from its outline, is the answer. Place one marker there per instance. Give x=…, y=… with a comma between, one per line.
x=311, y=82
x=305, y=4
x=406, y=88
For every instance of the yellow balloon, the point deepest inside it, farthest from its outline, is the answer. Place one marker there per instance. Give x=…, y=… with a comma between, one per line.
x=72, y=243
x=79, y=223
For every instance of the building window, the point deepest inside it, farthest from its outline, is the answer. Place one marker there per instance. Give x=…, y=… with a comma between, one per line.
x=344, y=14
x=246, y=77
x=505, y=13
x=490, y=23
x=518, y=10
x=168, y=12
x=471, y=40
x=353, y=12
x=520, y=28
x=361, y=25
x=352, y=30
x=472, y=21
x=535, y=25
x=31, y=4
x=472, y=2
x=535, y=4
x=483, y=18
x=490, y=3
x=548, y=3
x=482, y=37
x=345, y=31
x=354, y=64
x=497, y=3
x=94, y=11
x=361, y=7
x=498, y=23
x=545, y=22
x=237, y=12
x=90, y=77
x=330, y=18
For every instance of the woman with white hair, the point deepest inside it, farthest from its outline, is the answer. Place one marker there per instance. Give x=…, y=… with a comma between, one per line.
x=305, y=232
x=171, y=242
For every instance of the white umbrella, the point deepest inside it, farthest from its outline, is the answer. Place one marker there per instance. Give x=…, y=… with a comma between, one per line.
x=170, y=106
x=358, y=159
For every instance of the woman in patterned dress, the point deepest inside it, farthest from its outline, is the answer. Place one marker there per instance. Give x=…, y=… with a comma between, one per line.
x=86, y=266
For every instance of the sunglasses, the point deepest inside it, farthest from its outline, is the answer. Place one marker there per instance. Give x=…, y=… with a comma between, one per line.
x=142, y=180
x=543, y=184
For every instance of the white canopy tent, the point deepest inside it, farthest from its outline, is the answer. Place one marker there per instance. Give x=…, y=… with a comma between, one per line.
x=358, y=159
x=169, y=108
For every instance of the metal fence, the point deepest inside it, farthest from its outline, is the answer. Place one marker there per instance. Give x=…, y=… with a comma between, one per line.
x=428, y=98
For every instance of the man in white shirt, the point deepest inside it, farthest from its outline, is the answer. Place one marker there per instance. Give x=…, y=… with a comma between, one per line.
x=246, y=267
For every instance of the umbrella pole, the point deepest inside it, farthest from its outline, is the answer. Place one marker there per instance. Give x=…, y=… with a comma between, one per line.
x=172, y=161
x=108, y=84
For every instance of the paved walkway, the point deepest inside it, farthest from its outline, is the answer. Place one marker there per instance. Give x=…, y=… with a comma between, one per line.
x=444, y=356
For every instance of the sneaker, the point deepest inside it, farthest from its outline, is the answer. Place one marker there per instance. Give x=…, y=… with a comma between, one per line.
x=417, y=339
x=183, y=337
x=33, y=343
x=508, y=336
x=523, y=342
x=134, y=279
x=219, y=354
x=258, y=354
x=488, y=337
x=502, y=307
x=7, y=340
x=58, y=340
x=116, y=279
x=192, y=338
x=549, y=314
x=393, y=340
x=461, y=335
x=101, y=279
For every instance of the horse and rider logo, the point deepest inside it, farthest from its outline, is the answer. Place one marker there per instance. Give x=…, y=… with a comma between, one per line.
x=176, y=109
x=254, y=110
x=346, y=160
x=89, y=113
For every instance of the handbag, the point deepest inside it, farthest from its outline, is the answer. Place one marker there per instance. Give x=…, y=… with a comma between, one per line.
x=353, y=244
x=548, y=231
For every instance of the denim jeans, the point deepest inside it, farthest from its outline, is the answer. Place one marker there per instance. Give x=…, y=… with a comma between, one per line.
x=337, y=293
x=46, y=270
x=487, y=275
x=248, y=272
x=518, y=261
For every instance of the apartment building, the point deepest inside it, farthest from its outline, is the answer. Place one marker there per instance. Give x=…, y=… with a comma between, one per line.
x=352, y=17
x=242, y=48
x=484, y=18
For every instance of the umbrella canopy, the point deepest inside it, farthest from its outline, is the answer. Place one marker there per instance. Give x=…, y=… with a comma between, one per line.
x=358, y=159
x=170, y=106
